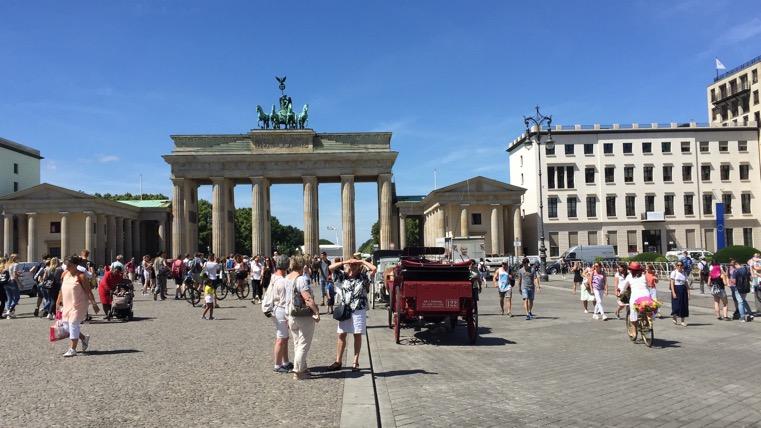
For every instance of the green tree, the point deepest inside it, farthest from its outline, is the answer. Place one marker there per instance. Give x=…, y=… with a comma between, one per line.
x=325, y=242
x=412, y=232
x=243, y=230
x=285, y=239
x=367, y=247
x=375, y=232
x=204, y=226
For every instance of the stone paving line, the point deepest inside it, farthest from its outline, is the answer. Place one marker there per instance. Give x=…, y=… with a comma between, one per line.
x=565, y=369
x=166, y=368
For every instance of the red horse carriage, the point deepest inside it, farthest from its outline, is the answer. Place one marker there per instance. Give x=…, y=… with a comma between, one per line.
x=423, y=291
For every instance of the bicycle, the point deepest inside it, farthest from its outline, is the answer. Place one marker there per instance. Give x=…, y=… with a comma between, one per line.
x=191, y=292
x=642, y=327
x=223, y=287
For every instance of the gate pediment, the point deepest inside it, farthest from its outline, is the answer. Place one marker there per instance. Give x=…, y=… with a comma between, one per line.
x=286, y=141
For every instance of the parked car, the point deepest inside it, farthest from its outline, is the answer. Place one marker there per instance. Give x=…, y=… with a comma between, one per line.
x=26, y=283
x=695, y=254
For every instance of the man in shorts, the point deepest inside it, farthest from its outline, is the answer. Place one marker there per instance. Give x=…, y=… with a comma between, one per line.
x=528, y=282
x=755, y=279
x=503, y=281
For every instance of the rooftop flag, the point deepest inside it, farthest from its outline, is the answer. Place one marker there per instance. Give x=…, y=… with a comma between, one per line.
x=719, y=65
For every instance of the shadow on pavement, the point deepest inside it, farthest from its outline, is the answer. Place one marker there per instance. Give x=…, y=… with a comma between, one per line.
x=663, y=343
x=393, y=373
x=457, y=338
x=112, y=352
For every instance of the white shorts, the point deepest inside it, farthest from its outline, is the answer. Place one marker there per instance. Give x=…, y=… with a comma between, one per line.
x=209, y=299
x=354, y=325
x=281, y=323
x=74, y=329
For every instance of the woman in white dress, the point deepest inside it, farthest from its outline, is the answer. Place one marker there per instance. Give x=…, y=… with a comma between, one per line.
x=636, y=282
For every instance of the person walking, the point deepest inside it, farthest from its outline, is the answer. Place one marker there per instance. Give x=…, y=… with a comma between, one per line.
x=352, y=284
x=741, y=288
x=73, y=298
x=755, y=279
x=130, y=268
x=324, y=275
x=586, y=295
x=597, y=282
x=53, y=277
x=503, y=281
x=680, y=294
x=303, y=313
x=161, y=272
x=11, y=287
x=622, y=272
x=483, y=270
x=256, y=279
x=528, y=283
x=280, y=302
x=651, y=278
x=178, y=274
x=107, y=285
x=5, y=279
x=147, y=274
x=703, y=268
x=208, y=296
x=718, y=283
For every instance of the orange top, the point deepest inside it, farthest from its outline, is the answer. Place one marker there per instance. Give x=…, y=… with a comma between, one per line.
x=651, y=279
x=74, y=299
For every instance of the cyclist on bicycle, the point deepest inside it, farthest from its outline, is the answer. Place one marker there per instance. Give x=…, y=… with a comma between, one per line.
x=637, y=283
x=242, y=268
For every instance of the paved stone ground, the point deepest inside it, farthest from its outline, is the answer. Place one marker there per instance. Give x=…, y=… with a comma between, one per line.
x=167, y=368
x=565, y=369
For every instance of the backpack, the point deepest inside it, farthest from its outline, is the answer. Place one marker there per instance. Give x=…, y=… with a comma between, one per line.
x=704, y=269
x=742, y=280
x=482, y=267
x=196, y=266
x=177, y=268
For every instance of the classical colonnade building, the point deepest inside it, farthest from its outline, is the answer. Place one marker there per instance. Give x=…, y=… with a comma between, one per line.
x=261, y=158
x=47, y=219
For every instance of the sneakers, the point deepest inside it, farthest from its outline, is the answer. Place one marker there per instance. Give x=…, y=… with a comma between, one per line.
x=85, y=343
x=586, y=311
x=211, y=318
x=203, y=317
x=37, y=312
x=604, y=317
x=595, y=317
x=50, y=316
x=528, y=317
x=281, y=369
x=288, y=366
x=70, y=353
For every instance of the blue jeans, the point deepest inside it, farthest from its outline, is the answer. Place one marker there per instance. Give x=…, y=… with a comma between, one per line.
x=13, y=296
x=742, y=304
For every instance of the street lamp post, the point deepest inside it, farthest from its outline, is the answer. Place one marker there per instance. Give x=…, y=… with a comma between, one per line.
x=335, y=229
x=536, y=121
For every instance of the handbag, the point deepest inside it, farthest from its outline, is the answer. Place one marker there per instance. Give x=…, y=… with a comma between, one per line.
x=625, y=295
x=58, y=330
x=341, y=312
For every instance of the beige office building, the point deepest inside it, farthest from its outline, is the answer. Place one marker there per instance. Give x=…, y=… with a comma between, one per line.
x=640, y=187
x=733, y=97
x=19, y=166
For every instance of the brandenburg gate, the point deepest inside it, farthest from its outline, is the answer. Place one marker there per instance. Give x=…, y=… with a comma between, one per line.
x=263, y=157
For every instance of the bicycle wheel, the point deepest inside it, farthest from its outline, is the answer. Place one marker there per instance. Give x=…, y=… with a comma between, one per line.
x=244, y=291
x=646, y=329
x=195, y=296
x=221, y=291
x=631, y=328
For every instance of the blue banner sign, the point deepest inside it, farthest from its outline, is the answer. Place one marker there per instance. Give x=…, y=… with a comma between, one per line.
x=720, y=235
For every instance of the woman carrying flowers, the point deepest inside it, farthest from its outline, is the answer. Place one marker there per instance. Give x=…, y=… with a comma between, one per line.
x=637, y=283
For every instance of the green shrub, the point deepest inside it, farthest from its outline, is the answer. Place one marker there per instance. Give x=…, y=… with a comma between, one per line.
x=740, y=253
x=647, y=257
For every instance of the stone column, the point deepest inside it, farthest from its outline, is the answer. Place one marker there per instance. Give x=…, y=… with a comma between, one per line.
x=136, y=239
x=31, y=240
x=464, y=221
x=218, y=216
x=120, y=236
x=178, y=216
x=402, y=232
x=111, y=239
x=189, y=216
x=230, y=216
x=494, y=230
x=440, y=224
x=311, y=220
x=517, y=229
x=89, y=241
x=100, y=240
x=7, y=233
x=384, y=206
x=162, y=234
x=258, y=215
x=267, y=219
x=66, y=250
x=347, y=215
x=128, y=239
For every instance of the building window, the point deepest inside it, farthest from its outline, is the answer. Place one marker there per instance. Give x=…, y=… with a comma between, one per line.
x=667, y=176
x=647, y=147
x=549, y=150
x=611, y=238
x=589, y=148
x=561, y=177
x=748, y=236
x=550, y=177
x=689, y=238
x=666, y=147
x=631, y=241
x=649, y=203
x=573, y=239
x=708, y=239
x=688, y=205
x=475, y=218
x=685, y=146
x=729, y=236
x=627, y=148
x=755, y=97
x=671, y=240
x=648, y=174
x=707, y=204
x=607, y=148
x=754, y=76
x=55, y=227
x=592, y=237
x=705, y=172
x=668, y=201
x=568, y=149
x=724, y=172
x=591, y=206
x=552, y=207
x=704, y=147
x=686, y=173
x=630, y=211
x=554, y=248
x=745, y=203
x=589, y=175
x=571, y=202
x=610, y=206
x=15, y=168
x=628, y=174
x=742, y=146
x=569, y=177
x=609, y=174
x=744, y=171
x=15, y=186
x=723, y=146
x=521, y=179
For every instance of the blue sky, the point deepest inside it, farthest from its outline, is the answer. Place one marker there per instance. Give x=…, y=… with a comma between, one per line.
x=98, y=87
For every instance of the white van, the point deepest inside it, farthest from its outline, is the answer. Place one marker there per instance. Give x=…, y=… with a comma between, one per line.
x=588, y=253
x=695, y=254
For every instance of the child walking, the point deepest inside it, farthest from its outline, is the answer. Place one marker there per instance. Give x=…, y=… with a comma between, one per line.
x=208, y=292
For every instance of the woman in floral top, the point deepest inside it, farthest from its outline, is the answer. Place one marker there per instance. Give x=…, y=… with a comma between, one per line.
x=352, y=280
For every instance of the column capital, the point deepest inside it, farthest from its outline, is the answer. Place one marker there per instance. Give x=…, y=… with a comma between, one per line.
x=258, y=180
x=217, y=180
x=309, y=179
x=31, y=213
x=385, y=176
x=88, y=213
x=178, y=180
x=63, y=213
x=347, y=178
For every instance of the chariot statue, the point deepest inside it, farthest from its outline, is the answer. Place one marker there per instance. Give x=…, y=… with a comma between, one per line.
x=284, y=116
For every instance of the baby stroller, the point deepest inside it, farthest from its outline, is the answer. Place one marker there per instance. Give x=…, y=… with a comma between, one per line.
x=121, y=301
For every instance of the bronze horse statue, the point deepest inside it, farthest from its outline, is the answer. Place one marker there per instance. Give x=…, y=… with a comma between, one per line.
x=263, y=119
x=303, y=117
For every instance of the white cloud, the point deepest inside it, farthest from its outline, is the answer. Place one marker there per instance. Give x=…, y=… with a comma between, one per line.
x=108, y=158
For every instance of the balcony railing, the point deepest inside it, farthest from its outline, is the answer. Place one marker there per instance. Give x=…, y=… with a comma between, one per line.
x=738, y=68
x=732, y=92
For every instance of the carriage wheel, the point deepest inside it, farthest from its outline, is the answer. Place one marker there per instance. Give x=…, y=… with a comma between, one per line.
x=472, y=320
x=397, y=315
x=390, y=310
x=631, y=328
